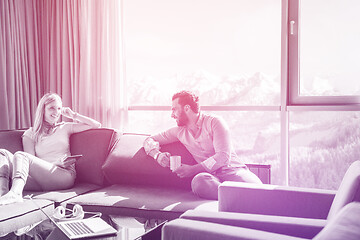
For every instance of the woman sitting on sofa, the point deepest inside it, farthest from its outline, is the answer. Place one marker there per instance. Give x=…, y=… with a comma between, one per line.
x=43, y=165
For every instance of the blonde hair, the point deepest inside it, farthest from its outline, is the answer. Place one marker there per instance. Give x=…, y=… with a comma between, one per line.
x=38, y=127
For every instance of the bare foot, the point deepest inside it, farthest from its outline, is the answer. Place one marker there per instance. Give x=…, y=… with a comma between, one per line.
x=10, y=197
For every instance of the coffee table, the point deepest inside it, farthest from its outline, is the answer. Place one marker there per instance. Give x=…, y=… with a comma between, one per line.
x=129, y=228
x=136, y=228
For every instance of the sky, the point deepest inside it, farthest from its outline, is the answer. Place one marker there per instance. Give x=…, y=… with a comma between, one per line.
x=235, y=37
x=163, y=37
x=329, y=45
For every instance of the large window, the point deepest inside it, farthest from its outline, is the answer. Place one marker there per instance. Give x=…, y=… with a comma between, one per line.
x=280, y=72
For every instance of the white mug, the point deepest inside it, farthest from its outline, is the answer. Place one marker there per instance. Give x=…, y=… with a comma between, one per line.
x=175, y=162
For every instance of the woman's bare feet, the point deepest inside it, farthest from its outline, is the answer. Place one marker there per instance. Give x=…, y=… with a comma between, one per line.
x=10, y=197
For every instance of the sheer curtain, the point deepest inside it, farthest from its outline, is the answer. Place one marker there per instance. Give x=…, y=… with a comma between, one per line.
x=71, y=47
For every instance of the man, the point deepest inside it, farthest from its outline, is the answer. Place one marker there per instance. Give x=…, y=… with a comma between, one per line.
x=207, y=138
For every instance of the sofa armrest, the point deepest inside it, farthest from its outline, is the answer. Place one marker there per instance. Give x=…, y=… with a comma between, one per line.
x=345, y=225
x=296, y=227
x=275, y=200
x=184, y=229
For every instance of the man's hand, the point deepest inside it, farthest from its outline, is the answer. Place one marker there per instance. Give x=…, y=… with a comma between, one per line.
x=164, y=159
x=186, y=170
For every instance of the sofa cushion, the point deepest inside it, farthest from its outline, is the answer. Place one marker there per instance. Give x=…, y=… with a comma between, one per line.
x=298, y=227
x=129, y=164
x=19, y=215
x=94, y=145
x=142, y=201
x=60, y=196
x=275, y=200
x=11, y=140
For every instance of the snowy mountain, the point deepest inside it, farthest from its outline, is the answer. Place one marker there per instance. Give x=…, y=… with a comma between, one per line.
x=320, y=142
x=256, y=89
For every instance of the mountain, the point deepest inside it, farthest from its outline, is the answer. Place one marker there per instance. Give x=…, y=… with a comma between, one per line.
x=322, y=144
x=256, y=89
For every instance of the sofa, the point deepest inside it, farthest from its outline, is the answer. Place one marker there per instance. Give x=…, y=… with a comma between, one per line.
x=248, y=211
x=114, y=177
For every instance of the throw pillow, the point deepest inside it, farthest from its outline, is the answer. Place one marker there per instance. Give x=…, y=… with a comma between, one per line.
x=129, y=164
x=94, y=145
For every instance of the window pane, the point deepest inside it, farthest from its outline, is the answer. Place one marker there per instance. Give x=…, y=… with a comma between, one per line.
x=322, y=147
x=149, y=122
x=329, y=47
x=228, y=51
x=255, y=135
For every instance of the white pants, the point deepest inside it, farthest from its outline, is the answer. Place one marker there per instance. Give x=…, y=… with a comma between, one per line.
x=38, y=174
x=205, y=185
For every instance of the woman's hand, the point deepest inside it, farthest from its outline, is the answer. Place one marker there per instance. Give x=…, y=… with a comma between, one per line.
x=88, y=122
x=67, y=112
x=65, y=162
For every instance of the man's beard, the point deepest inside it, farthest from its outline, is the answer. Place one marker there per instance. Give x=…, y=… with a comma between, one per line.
x=182, y=120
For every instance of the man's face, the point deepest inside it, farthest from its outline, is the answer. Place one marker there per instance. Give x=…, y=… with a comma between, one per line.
x=178, y=113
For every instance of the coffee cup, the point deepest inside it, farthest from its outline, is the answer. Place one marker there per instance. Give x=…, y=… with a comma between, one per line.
x=175, y=162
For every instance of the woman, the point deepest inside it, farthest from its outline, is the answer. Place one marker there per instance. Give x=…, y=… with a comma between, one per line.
x=43, y=165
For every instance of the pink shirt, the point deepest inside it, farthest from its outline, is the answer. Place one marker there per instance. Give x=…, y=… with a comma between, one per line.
x=211, y=147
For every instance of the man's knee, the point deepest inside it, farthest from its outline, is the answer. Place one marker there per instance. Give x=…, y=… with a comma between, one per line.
x=200, y=180
x=205, y=185
x=250, y=177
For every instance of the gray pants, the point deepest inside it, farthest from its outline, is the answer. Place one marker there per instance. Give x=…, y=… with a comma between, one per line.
x=206, y=185
x=38, y=174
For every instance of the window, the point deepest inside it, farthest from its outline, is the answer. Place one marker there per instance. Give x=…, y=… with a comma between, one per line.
x=323, y=144
x=324, y=96
x=285, y=69
x=324, y=53
x=255, y=134
x=223, y=50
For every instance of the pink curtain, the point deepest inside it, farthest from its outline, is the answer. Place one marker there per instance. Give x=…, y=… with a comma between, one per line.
x=71, y=47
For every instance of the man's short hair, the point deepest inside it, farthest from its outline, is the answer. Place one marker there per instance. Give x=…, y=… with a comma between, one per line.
x=188, y=98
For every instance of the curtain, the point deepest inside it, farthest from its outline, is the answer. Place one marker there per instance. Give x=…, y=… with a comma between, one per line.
x=19, y=65
x=71, y=47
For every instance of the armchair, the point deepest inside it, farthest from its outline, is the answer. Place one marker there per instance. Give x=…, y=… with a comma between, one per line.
x=344, y=225
x=270, y=209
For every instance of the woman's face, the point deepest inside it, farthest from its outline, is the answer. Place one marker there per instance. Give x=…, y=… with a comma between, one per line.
x=52, y=112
